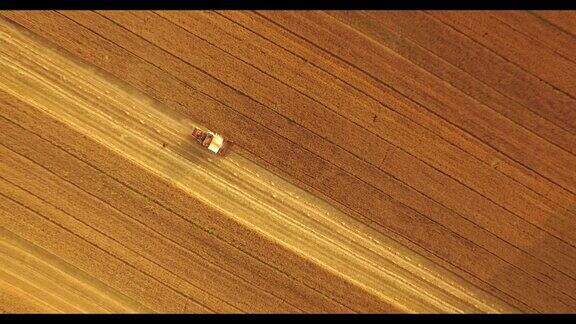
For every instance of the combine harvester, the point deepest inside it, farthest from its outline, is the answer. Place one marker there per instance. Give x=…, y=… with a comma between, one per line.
x=216, y=143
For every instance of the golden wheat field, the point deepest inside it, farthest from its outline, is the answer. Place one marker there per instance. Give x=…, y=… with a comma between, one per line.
x=381, y=162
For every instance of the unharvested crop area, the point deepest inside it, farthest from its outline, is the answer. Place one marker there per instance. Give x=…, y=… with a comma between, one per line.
x=383, y=161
